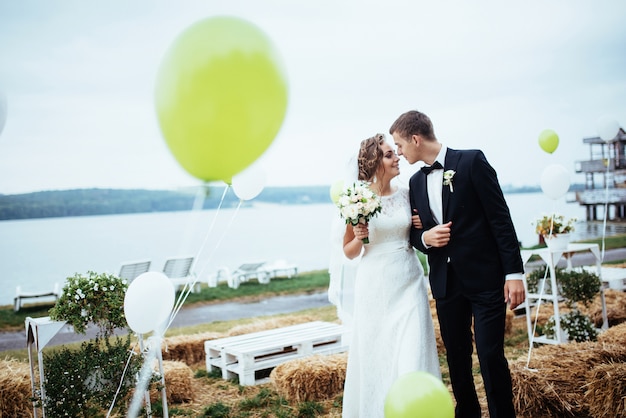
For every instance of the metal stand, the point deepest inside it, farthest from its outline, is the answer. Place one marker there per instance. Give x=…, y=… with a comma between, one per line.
x=551, y=258
x=149, y=353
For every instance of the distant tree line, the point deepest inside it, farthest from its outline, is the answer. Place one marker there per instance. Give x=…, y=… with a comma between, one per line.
x=86, y=202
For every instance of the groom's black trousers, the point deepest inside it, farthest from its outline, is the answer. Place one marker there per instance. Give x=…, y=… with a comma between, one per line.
x=488, y=310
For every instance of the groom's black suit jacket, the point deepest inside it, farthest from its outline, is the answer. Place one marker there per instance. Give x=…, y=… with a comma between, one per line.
x=483, y=245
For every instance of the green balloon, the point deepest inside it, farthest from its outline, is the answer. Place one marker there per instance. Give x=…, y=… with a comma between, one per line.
x=221, y=97
x=418, y=394
x=548, y=140
x=335, y=191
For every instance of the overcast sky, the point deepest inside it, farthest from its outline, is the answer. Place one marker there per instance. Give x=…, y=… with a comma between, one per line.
x=79, y=78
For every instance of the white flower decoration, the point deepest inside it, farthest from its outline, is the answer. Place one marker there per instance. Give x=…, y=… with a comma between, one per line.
x=447, y=179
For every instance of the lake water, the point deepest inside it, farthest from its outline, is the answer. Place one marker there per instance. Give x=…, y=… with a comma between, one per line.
x=36, y=254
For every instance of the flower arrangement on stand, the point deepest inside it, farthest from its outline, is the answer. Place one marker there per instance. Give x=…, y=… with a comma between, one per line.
x=555, y=230
x=92, y=299
x=554, y=224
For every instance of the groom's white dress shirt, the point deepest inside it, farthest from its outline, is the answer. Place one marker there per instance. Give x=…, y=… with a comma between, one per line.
x=434, y=182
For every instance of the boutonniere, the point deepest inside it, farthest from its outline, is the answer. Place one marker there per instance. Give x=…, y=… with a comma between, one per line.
x=447, y=179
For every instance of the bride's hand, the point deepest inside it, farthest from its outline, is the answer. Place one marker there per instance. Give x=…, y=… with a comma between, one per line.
x=360, y=231
x=415, y=220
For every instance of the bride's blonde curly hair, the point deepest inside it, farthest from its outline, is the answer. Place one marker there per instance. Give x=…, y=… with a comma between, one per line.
x=370, y=155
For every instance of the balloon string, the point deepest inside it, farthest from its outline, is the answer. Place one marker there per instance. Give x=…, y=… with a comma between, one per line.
x=206, y=237
x=191, y=220
x=188, y=287
x=196, y=207
x=119, y=387
x=532, y=335
x=543, y=284
x=186, y=291
x=606, y=207
x=217, y=244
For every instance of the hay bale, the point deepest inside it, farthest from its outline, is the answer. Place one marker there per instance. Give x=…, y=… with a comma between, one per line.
x=314, y=378
x=178, y=383
x=575, y=359
x=272, y=323
x=15, y=389
x=614, y=335
x=605, y=393
x=534, y=395
x=557, y=384
x=187, y=348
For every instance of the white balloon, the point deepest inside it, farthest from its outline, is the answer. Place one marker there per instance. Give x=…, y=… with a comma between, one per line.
x=555, y=181
x=148, y=301
x=3, y=111
x=249, y=183
x=608, y=128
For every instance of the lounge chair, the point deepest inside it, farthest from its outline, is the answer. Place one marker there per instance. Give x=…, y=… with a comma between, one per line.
x=281, y=268
x=20, y=295
x=221, y=275
x=178, y=269
x=131, y=269
x=248, y=271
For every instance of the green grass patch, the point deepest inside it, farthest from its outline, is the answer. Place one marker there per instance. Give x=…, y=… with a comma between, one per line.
x=302, y=283
x=14, y=321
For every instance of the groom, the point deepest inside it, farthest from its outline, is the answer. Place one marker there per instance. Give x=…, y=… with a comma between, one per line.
x=474, y=259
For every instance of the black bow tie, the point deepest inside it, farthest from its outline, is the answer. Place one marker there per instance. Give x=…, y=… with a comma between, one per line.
x=428, y=168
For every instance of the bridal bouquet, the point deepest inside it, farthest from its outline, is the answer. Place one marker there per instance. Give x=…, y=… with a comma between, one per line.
x=358, y=204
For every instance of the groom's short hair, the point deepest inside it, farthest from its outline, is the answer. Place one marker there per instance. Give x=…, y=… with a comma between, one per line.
x=413, y=123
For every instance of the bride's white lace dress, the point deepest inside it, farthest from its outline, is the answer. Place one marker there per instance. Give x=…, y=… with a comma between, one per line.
x=392, y=330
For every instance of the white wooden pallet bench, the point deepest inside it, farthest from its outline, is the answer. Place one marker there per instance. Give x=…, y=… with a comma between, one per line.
x=251, y=357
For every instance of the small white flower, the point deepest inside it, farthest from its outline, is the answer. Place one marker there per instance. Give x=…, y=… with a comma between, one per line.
x=447, y=179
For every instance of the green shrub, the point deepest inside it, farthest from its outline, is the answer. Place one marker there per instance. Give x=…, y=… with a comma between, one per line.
x=83, y=382
x=578, y=286
x=574, y=285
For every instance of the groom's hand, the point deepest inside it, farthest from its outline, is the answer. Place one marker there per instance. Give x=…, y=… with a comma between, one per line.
x=514, y=293
x=438, y=236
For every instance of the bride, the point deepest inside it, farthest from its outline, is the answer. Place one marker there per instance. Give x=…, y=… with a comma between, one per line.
x=391, y=325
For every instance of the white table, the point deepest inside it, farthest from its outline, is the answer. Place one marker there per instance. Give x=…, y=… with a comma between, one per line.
x=551, y=257
x=39, y=332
